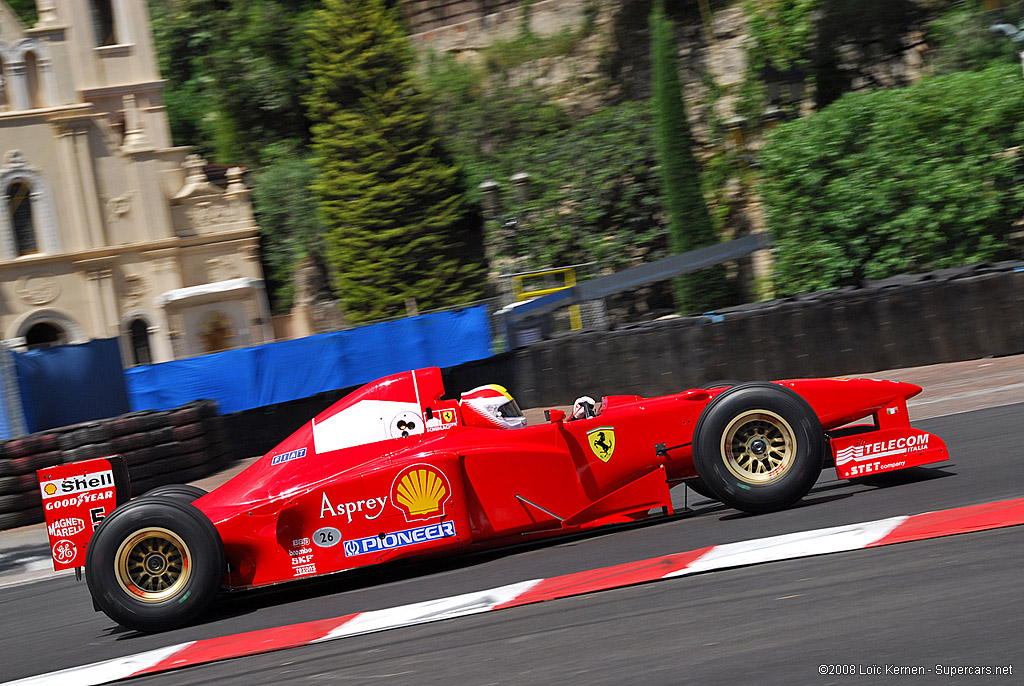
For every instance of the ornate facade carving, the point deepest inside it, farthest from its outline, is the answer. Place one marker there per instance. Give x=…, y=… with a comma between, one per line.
x=133, y=287
x=111, y=216
x=38, y=289
x=119, y=207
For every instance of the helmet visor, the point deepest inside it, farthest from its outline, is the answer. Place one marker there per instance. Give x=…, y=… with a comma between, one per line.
x=509, y=410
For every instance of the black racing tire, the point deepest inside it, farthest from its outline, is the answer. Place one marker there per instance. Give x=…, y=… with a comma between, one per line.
x=726, y=383
x=696, y=485
x=126, y=442
x=758, y=447
x=700, y=488
x=189, y=414
x=187, y=431
x=17, y=448
x=18, y=484
x=10, y=484
x=21, y=501
x=163, y=434
x=154, y=564
x=185, y=493
x=15, y=519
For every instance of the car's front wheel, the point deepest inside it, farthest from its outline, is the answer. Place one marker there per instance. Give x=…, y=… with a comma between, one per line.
x=758, y=447
x=154, y=564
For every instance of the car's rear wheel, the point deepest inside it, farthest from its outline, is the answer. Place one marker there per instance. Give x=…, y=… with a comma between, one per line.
x=758, y=447
x=154, y=564
x=184, y=493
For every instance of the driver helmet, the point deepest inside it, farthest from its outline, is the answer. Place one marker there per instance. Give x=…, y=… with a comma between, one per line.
x=491, y=406
x=583, y=408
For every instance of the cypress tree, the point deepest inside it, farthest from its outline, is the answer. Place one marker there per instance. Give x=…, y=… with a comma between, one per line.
x=689, y=223
x=398, y=225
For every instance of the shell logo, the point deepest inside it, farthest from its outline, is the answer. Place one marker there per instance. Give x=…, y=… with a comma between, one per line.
x=50, y=489
x=420, y=492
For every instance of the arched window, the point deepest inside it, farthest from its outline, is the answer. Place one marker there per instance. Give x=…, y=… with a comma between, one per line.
x=35, y=97
x=19, y=205
x=139, y=330
x=44, y=335
x=103, y=22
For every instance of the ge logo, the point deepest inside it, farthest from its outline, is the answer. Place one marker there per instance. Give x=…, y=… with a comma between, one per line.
x=351, y=548
x=64, y=551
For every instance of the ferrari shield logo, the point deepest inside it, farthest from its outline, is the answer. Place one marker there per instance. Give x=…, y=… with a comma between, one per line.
x=602, y=442
x=447, y=416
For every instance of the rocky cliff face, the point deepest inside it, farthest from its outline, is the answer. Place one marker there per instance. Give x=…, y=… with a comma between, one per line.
x=612, y=63
x=607, y=61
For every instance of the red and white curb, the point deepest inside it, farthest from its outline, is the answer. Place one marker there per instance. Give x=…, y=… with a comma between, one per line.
x=788, y=546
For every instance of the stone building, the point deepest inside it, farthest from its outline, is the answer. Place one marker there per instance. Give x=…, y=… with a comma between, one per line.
x=107, y=229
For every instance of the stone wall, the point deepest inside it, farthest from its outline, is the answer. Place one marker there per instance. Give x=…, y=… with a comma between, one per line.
x=458, y=25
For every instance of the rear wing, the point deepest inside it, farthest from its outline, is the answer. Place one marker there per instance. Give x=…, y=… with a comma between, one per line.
x=76, y=498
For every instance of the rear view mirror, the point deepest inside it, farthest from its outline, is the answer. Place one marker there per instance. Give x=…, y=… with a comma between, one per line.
x=554, y=415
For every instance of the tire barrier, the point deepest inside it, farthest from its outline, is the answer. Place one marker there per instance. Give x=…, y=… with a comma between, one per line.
x=171, y=446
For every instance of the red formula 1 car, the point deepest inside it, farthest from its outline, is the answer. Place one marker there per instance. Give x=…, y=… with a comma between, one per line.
x=394, y=470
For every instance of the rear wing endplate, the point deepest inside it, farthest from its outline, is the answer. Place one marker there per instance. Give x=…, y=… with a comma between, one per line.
x=76, y=498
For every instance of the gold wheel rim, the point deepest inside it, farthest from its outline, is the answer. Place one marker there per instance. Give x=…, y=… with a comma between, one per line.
x=153, y=565
x=758, y=447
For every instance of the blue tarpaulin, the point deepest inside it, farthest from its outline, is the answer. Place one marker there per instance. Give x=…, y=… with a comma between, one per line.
x=71, y=384
x=289, y=370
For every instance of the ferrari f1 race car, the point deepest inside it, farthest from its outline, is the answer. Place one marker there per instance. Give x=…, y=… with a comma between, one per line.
x=397, y=470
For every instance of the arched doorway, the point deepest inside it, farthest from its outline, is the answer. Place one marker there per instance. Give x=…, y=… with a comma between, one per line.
x=139, y=331
x=45, y=335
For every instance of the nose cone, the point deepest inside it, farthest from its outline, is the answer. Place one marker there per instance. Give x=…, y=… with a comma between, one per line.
x=840, y=401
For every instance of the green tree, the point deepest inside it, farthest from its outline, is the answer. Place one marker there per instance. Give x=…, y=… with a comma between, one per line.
x=235, y=72
x=689, y=223
x=398, y=225
x=902, y=180
x=25, y=9
x=593, y=182
x=289, y=220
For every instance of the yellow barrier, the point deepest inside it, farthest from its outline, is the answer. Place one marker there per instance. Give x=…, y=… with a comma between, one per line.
x=568, y=277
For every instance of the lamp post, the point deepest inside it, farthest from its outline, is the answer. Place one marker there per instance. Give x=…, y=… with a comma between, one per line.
x=490, y=198
x=493, y=206
x=521, y=187
x=785, y=88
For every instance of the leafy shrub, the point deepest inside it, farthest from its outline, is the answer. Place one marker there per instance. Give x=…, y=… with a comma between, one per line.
x=593, y=183
x=960, y=37
x=903, y=180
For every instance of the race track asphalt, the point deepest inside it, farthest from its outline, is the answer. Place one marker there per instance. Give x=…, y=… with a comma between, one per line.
x=948, y=601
